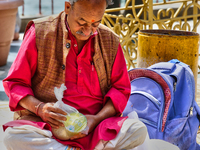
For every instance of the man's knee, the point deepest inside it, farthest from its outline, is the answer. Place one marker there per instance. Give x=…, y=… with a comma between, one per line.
x=139, y=131
x=136, y=133
x=10, y=140
x=15, y=138
x=132, y=134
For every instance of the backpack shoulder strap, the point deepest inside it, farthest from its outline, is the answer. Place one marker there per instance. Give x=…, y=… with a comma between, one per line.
x=149, y=73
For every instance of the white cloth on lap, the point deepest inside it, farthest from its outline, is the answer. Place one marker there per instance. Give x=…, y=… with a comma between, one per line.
x=26, y=137
x=132, y=136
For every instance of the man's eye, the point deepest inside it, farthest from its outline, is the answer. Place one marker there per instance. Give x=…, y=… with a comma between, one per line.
x=81, y=24
x=85, y=24
x=95, y=24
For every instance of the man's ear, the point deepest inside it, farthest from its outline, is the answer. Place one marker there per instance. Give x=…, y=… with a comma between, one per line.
x=67, y=7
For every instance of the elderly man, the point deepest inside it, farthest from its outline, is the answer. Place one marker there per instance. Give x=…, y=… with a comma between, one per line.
x=75, y=49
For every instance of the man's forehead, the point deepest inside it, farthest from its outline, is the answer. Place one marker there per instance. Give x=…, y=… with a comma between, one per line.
x=88, y=1
x=91, y=2
x=89, y=21
x=87, y=12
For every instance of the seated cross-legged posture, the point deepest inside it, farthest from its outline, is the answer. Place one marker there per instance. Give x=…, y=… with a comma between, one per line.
x=75, y=49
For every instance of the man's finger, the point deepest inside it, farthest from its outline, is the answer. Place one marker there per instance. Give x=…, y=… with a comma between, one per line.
x=80, y=135
x=58, y=110
x=55, y=122
x=57, y=116
x=53, y=125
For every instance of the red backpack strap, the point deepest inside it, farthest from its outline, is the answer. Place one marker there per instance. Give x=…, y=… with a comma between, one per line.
x=136, y=73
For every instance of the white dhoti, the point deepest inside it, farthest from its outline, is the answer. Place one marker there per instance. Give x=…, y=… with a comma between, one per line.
x=26, y=137
x=132, y=136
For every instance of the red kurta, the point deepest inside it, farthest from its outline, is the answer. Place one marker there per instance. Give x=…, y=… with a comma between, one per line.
x=83, y=89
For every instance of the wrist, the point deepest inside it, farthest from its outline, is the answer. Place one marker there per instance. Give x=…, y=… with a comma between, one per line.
x=98, y=118
x=37, y=107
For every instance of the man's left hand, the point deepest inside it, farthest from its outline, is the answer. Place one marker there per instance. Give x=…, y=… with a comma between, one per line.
x=91, y=124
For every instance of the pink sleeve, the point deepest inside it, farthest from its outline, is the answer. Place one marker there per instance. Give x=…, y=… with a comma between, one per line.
x=17, y=84
x=120, y=90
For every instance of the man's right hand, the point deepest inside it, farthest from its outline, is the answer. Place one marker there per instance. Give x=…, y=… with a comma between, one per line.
x=51, y=114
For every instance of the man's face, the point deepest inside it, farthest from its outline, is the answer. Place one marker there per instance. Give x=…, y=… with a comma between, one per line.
x=84, y=17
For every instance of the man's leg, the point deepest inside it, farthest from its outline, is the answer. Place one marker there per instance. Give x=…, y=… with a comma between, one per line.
x=132, y=134
x=30, y=138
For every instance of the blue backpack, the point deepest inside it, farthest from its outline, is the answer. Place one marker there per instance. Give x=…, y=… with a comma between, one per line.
x=163, y=95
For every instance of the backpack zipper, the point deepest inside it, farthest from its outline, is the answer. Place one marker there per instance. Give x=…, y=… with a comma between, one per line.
x=157, y=104
x=191, y=111
x=152, y=98
x=174, y=86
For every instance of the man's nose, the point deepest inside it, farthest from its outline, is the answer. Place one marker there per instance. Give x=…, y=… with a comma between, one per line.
x=87, y=30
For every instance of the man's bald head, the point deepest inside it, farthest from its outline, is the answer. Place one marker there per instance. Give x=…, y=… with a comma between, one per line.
x=108, y=2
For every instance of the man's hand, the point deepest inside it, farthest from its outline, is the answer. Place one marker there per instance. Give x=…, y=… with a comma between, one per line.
x=91, y=125
x=93, y=120
x=46, y=111
x=52, y=115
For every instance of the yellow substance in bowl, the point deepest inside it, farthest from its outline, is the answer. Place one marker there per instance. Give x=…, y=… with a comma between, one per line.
x=75, y=123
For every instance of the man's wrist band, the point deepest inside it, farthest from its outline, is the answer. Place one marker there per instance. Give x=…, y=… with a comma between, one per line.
x=37, y=107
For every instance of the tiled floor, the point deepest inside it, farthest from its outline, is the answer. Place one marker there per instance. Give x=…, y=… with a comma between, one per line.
x=4, y=69
x=5, y=114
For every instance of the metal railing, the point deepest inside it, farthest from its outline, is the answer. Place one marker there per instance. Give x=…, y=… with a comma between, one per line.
x=146, y=14
x=52, y=5
x=40, y=7
x=164, y=15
